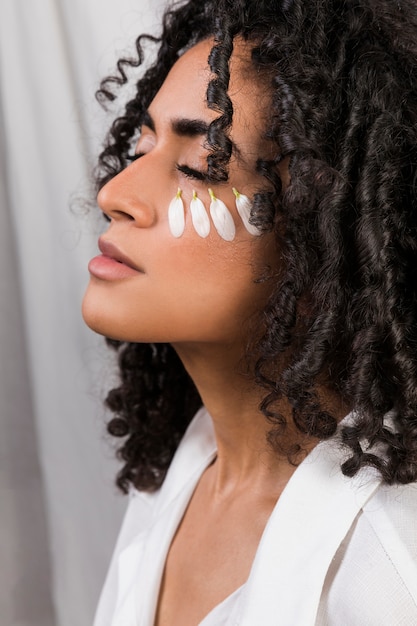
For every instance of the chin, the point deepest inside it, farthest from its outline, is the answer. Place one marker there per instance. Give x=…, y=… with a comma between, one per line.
x=100, y=318
x=106, y=317
x=92, y=317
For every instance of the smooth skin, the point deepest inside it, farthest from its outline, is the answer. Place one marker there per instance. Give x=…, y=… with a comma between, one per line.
x=199, y=295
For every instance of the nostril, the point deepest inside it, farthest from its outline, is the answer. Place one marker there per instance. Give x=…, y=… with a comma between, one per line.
x=123, y=215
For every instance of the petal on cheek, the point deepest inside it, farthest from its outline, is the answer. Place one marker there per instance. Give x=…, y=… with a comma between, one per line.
x=176, y=217
x=222, y=218
x=199, y=216
x=243, y=206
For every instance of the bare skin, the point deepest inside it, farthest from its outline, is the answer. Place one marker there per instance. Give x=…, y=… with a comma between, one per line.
x=199, y=295
x=215, y=544
x=214, y=547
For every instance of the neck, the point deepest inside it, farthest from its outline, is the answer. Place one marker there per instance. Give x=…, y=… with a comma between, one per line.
x=232, y=400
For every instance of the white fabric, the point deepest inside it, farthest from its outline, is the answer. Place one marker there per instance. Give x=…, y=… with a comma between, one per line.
x=59, y=513
x=334, y=551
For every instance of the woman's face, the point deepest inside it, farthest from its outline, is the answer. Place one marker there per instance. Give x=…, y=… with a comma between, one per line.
x=149, y=286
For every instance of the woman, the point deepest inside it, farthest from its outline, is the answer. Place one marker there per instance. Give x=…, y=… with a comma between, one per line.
x=258, y=274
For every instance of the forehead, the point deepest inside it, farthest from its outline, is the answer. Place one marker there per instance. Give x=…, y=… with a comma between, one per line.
x=183, y=93
x=186, y=84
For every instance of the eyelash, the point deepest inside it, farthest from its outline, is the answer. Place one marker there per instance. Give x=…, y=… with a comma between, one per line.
x=193, y=174
x=184, y=169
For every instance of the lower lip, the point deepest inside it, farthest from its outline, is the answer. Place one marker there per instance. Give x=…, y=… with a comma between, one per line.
x=107, y=268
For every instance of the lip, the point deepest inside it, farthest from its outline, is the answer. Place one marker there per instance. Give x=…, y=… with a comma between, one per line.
x=112, y=264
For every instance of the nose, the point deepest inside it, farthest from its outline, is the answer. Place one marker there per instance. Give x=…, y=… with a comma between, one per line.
x=124, y=197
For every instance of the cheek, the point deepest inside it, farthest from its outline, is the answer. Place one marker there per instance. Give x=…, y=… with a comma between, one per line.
x=192, y=260
x=211, y=279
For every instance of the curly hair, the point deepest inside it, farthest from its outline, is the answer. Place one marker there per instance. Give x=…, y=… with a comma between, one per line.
x=343, y=84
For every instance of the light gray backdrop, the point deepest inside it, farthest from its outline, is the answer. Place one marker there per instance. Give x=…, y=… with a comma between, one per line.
x=59, y=511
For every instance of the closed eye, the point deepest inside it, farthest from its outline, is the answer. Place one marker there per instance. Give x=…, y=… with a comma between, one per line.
x=191, y=173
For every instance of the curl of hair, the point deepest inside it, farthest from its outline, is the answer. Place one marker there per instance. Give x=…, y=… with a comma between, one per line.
x=154, y=408
x=343, y=310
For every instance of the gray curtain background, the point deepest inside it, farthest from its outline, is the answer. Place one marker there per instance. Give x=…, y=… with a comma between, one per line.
x=59, y=510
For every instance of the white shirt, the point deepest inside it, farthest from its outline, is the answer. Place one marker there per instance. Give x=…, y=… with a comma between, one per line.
x=336, y=551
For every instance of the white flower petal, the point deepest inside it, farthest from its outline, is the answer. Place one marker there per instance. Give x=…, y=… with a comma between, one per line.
x=244, y=205
x=199, y=216
x=222, y=218
x=176, y=217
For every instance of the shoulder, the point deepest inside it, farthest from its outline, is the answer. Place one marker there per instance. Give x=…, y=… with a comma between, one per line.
x=373, y=576
x=391, y=516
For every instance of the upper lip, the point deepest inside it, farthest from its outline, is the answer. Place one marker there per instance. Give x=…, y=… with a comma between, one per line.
x=109, y=249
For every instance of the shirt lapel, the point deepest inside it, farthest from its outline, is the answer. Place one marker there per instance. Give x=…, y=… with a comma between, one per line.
x=310, y=520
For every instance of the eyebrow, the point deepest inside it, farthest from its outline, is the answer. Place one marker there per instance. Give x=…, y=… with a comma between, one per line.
x=184, y=127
